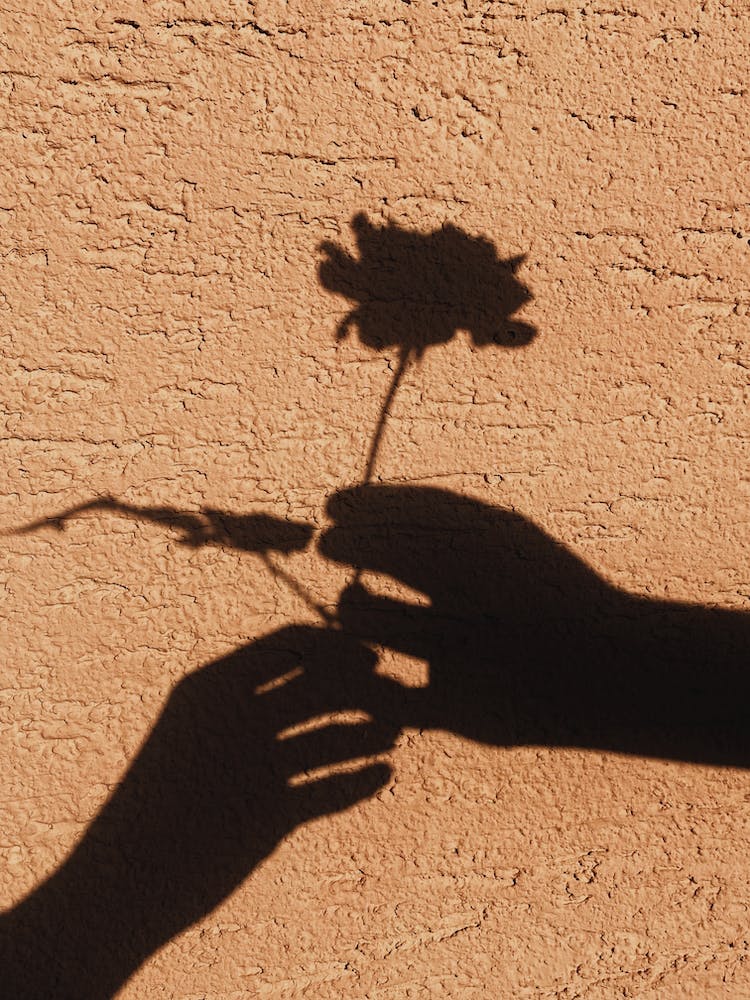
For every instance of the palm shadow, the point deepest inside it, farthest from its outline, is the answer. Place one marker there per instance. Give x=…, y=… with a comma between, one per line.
x=246, y=749
x=527, y=645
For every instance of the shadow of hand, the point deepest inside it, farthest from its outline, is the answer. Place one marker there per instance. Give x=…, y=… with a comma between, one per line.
x=528, y=645
x=223, y=776
x=506, y=629
x=433, y=542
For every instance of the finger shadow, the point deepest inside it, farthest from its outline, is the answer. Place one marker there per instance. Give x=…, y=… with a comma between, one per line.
x=528, y=645
x=211, y=793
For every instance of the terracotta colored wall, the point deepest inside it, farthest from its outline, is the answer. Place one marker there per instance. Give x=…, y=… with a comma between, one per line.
x=171, y=171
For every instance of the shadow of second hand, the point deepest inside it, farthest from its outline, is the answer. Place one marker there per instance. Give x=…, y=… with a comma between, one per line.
x=246, y=749
x=211, y=792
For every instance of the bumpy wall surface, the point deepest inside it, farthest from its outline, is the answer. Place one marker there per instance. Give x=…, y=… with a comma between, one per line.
x=477, y=730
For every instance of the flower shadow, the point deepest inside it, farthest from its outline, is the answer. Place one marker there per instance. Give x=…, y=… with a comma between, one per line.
x=416, y=290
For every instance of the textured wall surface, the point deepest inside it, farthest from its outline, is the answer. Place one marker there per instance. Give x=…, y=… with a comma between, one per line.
x=169, y=340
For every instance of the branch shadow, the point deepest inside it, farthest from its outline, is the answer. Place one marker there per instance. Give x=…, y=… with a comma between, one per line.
x=256, y=532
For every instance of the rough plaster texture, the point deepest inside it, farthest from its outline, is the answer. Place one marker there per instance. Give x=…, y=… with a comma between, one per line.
x=171, y=170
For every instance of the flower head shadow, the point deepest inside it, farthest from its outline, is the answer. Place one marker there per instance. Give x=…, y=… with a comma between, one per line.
x=417, y=290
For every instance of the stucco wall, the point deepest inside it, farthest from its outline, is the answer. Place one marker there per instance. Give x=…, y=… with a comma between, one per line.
x=169, y=340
